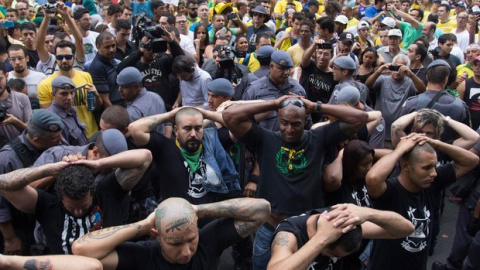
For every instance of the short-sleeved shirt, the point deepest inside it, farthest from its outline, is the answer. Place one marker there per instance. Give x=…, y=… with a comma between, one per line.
x=61, y=228
x=291, y=173
x=298, y=227
x=50, y=66
x=390, y=98
x=447, y=26
x=387, y=56
x=296, y=53
x=194, y=92
x=410, y=252
x=104, y=76
x=18, y=105
x=318, y=84
x=371, y=12
x=142, y=7
x=32, y=80
x=410, y=33
x=265, y=89
x=214, y=238
x=146, y=104
x=89, y=45
x=79, y=101
x=75, y=130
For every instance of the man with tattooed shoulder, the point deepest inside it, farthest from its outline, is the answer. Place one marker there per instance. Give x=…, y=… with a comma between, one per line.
x=79, y=205
x=179, y=244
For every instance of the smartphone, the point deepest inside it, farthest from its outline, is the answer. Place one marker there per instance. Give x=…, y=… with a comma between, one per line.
x=7, y=24
x=393, y=68
x=232, y=16
x=387, y=7
x=326, y=45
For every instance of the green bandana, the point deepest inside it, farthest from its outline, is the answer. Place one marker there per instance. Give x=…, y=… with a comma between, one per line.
x=192, y=159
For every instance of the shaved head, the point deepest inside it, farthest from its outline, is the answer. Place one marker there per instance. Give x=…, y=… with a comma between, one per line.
x=414, y=154
x=186, y=111
x=175, y=214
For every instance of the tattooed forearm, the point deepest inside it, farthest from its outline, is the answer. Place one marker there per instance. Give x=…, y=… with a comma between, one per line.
x=107, y=232
x=18, y=179
x=281, y=239
x=38, y=265
x=154, y=123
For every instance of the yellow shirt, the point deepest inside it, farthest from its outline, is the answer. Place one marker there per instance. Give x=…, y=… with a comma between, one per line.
x=296, y=53
x=80, y=100
x=465, y=68
x=448, y=26
x=282, y=5
x=253, y=64
x=352, y=22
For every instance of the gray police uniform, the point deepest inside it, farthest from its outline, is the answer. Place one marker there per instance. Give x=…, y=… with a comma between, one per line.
x=56, y=153
x=351, y=82
x=75, y=130
x=264, y=89
x=145, y=104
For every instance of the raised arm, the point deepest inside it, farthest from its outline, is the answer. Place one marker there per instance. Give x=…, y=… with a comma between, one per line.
x=41, y=34
x=57, y=262
x=249, y=213
x=379, y=172
x=307, y=56
x=80, y=50
x=140, y=129
x=370, y=82
x=463, y=160
x=351, y=119
x=399, y=126
x=131, y=165
x=14, y=185
x=405, y=16
x=374, y=118
x=468, y=137
x=333, y=175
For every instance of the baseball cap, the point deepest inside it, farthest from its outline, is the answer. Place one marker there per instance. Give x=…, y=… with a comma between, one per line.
x=63, y=82
x=341, y=19
x=221, y=87
x=363, y=24
x=345, y=62
x=46, y=120
x=390, y=22
x=282, y=58
x=395, y=33
x=129, y=76
x=114, y=141
x=461, y=4
x=347, y=94
x=346, y=37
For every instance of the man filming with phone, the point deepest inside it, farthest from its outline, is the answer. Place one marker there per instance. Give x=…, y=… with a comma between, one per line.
x=393, y=83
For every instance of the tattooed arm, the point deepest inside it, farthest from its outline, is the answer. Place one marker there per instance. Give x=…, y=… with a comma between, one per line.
x=249, y=213
x=57, y=262
x=140, y=129
x=131, y=165
x=14, y=185
x=101, y=244
x=285, y=251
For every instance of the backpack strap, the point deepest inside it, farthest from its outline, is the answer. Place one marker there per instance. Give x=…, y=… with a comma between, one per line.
x=25, y=155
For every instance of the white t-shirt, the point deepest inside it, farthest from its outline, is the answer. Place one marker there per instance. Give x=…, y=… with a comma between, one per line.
x=463, y=39
x=89, y=45
x=32, y=80
x=187, y=44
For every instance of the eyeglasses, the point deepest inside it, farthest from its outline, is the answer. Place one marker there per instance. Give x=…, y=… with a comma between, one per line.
x=294, y=101
x=258, y=14
x=68, y=57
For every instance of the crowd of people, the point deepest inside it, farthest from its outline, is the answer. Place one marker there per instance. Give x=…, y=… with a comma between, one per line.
x=312, y=134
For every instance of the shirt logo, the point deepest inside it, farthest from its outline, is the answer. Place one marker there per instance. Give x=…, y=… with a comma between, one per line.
x=290, y=161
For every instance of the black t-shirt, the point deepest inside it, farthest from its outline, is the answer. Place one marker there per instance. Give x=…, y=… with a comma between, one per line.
x=410, y=252
x=176, y=180
x=298, y=226
x=349, y=194
x=318, y=84
x=290, y=176
x=213, y=239
x=109, y=208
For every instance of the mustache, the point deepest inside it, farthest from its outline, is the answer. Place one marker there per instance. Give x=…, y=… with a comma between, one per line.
x=193, y=140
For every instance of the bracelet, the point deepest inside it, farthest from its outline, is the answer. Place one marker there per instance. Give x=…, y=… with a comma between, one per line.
x=253, y=178
x=319, y=107
x=447, y=119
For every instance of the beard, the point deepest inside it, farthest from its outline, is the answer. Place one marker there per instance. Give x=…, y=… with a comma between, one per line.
x=191, y=148
x=65, y=67
x=19, y=70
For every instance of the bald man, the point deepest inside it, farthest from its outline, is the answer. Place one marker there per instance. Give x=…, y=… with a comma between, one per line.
x=289, y=160
x=178, y=241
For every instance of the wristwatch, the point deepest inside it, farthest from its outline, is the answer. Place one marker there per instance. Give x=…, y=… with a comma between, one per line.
x=319, y=107
x=447, y=119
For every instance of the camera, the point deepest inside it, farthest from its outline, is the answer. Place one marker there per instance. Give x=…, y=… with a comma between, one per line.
x=3, y=112
x=326, y=45
x=50, y=6
x=394, y=68
x=144, y=26
x=226, y=60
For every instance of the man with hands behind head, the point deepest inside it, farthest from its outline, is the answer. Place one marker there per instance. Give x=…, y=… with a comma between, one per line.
x=319, y=238
x=179, y=244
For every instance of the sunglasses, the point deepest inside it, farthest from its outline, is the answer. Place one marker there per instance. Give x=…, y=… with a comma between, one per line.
x=294, y=101
x=66, y=56
x=258, y=14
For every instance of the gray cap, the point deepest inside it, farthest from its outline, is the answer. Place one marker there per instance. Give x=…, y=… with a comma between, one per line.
x=63, y=82
x=129, y=76
x=221, y=87
x=47, y=120
x=345, y=62
x=282, y=58
x=265, y=51
x=114, y=141
x=439, y=62
x=348, y=94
